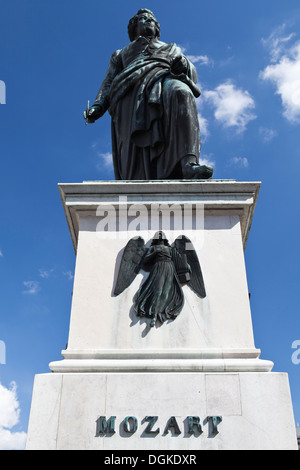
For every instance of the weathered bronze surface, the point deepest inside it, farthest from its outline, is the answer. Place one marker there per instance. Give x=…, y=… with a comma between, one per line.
x=161, y=296
x=149, y=90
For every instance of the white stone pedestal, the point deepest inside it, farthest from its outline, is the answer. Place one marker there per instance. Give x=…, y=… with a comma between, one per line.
x=203, y=364
x=255, y=409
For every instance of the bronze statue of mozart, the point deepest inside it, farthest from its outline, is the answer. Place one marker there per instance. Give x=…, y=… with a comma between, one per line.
x=150, y=90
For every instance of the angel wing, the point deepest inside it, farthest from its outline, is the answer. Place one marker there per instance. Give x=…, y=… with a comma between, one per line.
x=130, y=263
x=185, y=247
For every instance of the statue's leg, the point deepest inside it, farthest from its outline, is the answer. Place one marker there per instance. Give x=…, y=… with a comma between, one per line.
x=182, y=132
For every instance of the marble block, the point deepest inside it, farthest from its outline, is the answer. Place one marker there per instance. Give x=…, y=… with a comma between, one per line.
x=252, y=411
x=193, y=383
x=210, y=334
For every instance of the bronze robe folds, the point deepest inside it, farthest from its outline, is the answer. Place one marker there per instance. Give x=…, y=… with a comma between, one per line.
x=154, y=115
x=161, y=296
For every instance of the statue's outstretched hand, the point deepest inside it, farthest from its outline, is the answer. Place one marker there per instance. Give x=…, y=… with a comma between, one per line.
x=92, y=114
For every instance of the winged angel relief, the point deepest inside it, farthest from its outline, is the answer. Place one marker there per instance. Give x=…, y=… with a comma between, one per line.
x=160, y=297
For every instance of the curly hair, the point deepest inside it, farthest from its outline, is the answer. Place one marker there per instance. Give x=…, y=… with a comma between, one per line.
x=133, y=21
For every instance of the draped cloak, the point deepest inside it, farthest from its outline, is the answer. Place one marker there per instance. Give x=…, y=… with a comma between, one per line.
x=161, y=295
x=154, y=119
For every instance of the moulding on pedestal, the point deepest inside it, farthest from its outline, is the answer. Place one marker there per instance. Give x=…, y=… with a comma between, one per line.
x=240, y=197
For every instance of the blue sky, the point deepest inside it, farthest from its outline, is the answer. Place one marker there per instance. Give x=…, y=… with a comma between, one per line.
x=53, y=57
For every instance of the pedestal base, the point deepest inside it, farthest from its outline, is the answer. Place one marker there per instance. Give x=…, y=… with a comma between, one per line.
x=194, y=383
x=154, y=411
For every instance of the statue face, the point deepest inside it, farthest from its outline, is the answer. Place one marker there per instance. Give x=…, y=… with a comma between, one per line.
x=145, y=26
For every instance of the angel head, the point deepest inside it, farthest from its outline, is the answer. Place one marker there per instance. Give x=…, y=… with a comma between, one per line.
x=160, y=239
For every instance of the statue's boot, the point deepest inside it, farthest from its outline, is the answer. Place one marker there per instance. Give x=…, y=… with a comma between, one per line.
x=191, y=169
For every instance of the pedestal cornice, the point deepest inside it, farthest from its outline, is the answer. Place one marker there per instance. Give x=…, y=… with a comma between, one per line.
x=84, y=198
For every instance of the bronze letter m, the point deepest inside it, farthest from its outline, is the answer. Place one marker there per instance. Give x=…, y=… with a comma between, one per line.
x=105, y=426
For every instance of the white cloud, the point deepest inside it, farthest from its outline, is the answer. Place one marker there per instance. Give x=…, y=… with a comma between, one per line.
x=276, y=44
x=9, y=417
x=285, y=75
x=241, y=162
x=31, y=287
x=197, y=59
x=207, y=159
x=267, y=134
x=203, y=122
x=233, y=106
x=69, y=275
x=12, y=440
x=227, y=61
x=1, y=254
x=284, y=71
x=103, y=159
x=106, y=159
x=45, y=273
x=200, y=59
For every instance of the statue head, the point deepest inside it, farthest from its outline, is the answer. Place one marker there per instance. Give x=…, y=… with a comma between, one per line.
x=160, y=239
x=133, y=23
